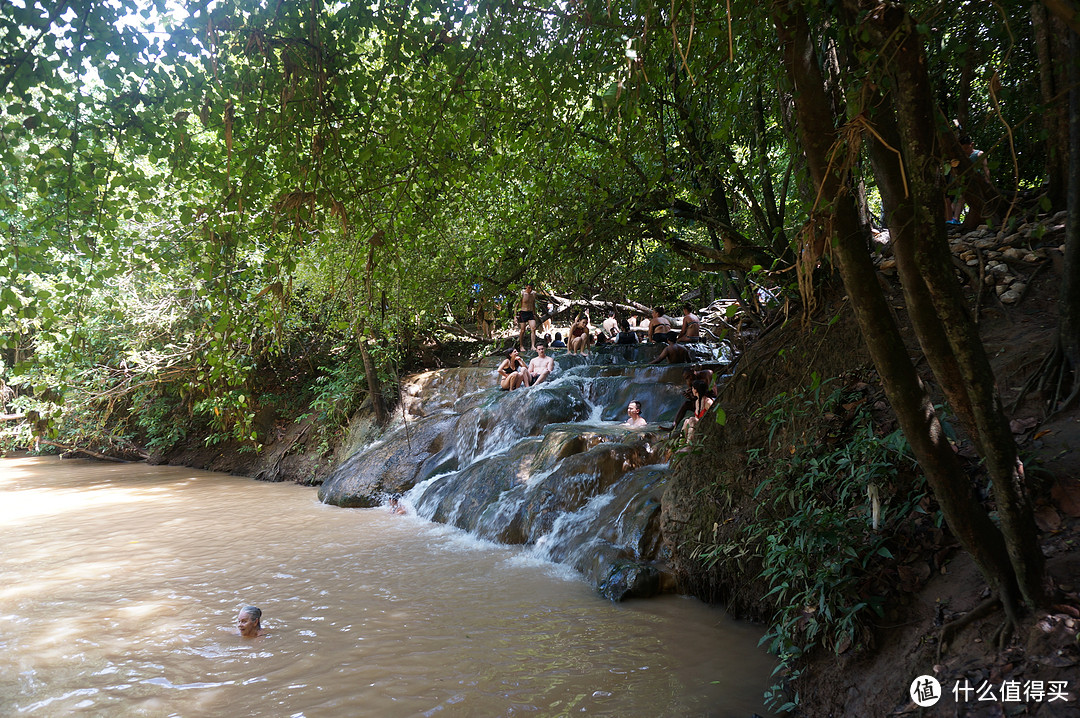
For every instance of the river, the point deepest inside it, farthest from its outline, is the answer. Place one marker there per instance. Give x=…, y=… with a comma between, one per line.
x=119, y=586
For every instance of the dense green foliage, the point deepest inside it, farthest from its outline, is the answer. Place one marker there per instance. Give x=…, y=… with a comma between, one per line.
x=823, y=520
x=188, y=193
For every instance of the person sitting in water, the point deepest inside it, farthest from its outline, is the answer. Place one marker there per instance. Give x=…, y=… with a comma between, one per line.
x=659, y=325
x=249, y=622
x=558, y=343
x=512, y=371
x=626, y=335
x=633, y=412
x=691, y=325
x=601, y=338
x=674, y=352
x=541, y=365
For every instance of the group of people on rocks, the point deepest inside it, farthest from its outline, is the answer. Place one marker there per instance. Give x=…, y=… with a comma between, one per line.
x=579, y=338
x=513, y=372
x=698, y=397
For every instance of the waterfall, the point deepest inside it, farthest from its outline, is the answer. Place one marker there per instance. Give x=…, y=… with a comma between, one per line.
x=550, y=467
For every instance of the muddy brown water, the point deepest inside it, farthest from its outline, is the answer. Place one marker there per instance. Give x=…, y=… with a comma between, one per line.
x=119, y=585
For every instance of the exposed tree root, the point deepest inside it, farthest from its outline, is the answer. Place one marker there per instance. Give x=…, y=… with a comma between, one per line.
x=1057, y=378
x=984, y=609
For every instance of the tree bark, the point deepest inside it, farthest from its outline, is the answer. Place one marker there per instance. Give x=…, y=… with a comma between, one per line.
x=968, y=380
x=1069, y=305
x=1052, y=89
x=908, y=396
x=378, y=401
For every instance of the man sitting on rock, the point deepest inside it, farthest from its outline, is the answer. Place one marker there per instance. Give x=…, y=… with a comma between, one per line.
x=541, y=365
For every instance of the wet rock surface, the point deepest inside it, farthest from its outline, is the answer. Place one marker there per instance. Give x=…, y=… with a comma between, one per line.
x=551, y=467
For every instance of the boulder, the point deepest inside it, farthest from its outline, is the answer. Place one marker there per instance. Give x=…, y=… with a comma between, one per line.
x=395, y=464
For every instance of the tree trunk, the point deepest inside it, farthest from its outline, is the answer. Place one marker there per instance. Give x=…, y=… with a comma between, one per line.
x=1052, y=88
x=923, y=239
x=1069, y=305
x=378, y=399
x=908, y=396
x=1058, y=377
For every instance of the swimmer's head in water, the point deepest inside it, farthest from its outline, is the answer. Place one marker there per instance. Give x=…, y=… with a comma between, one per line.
x=249, y=621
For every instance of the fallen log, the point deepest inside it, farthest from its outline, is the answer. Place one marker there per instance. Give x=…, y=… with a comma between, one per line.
x=88, y=452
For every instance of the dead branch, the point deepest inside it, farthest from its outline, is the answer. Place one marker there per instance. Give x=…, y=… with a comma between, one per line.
x=88, y=452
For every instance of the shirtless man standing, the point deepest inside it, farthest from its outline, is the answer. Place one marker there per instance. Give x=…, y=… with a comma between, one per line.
x=541, y=365
x=527, y=316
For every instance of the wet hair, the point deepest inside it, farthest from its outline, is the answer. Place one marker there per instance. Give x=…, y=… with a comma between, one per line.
x=635, y=401
x=672, y=338
x=558, y=336
x=688, y=372
x=624, y=324
x=687, y=308
x=659, y=310
x=701, y=387
x=510, y=352
x=541, y=345
x=253, y=612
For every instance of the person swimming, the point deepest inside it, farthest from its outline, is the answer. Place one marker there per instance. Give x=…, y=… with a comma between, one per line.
x=249, y=622
x=634, y=417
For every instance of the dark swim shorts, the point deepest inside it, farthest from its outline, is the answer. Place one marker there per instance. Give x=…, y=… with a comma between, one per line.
x=525, y=317
x=660, y=337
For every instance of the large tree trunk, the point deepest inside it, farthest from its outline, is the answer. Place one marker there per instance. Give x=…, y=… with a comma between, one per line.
x=378, y=399
x=968, y=380
x=1058, y=377
x=1050, y=46
x=909, y=398
x=1069, y=305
